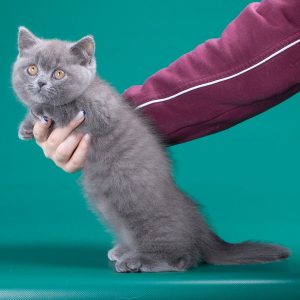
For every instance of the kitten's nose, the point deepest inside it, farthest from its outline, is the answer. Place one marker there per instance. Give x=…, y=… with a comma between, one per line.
x=41, y=84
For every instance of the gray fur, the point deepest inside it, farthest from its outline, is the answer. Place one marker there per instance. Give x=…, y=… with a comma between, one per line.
x=126, y=175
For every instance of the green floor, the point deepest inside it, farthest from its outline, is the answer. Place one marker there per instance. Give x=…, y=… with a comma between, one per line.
x=52, y=248
x=247, y=178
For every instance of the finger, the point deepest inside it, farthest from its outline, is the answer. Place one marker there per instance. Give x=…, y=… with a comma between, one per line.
x=77, y=159
x=40, y=130
x=65, y=150
x=59, y=134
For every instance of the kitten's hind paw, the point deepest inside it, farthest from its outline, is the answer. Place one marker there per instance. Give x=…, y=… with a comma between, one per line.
x=129, y=265
x=137, y=263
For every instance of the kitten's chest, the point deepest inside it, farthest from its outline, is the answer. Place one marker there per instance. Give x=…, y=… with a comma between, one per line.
x=97, y=166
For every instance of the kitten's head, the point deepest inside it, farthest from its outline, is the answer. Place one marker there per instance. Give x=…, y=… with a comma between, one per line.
x=52, y=71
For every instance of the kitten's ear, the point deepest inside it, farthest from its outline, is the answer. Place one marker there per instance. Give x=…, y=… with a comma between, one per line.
x=84, y=49
x=26, y=39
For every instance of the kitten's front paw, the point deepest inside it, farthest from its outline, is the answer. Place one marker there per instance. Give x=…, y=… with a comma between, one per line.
x=128, y=265
x=25, y=134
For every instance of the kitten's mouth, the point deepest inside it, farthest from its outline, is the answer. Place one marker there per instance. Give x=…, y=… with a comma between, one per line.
x=41, y=91
x=46, y=93
x=42, y=96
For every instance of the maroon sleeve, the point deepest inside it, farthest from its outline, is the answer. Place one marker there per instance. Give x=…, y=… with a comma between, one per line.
x=253, y=66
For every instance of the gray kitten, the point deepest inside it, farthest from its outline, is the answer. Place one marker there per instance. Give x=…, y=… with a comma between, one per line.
x=127, y=174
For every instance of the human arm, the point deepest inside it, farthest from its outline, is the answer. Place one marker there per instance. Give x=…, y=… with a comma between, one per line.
x=253, y=66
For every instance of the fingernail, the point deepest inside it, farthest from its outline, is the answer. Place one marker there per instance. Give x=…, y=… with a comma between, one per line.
x=87, y=137
x=44, y=119
x=80, y=115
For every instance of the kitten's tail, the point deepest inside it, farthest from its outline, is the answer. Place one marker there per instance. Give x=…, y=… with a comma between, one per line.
x=219, y=252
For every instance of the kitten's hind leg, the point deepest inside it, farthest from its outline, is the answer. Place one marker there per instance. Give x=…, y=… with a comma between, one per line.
x=117, y=252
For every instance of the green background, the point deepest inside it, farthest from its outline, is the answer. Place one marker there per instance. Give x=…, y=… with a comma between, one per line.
x=247, y=178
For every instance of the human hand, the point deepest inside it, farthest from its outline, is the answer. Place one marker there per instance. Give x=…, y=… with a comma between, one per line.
x=67, y=150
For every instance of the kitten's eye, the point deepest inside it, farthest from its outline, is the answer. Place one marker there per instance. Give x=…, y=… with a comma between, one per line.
x=59, y=74
x=32, y=70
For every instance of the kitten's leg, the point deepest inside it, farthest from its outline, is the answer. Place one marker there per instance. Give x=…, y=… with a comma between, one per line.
x=60, y=115
x=147, y=263
x=25, y=131
x=40, y=111
x=117, y=252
